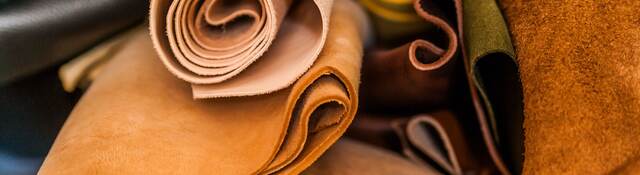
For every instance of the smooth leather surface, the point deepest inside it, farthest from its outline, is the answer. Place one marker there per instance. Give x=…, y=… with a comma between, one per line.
x=80, y=71
x=38, y=34
x=137, y=118
x=350, y=157
x=230, y=48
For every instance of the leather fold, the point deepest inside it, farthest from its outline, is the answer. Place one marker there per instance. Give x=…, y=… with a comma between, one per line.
x=137, y=118
x=436, y=141
x=418, y=76
x=228, y=48
x=419, y=73
x=494, y=83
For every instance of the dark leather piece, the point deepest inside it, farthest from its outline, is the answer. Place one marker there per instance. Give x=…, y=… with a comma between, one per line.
x=437, y=141
x=37, y=34
x=31, y=116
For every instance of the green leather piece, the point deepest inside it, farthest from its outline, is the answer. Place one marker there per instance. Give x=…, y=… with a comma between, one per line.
x=492, y=67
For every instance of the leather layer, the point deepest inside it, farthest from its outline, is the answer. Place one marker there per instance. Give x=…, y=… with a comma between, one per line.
x=238, y=48
x=419, y=76
x=137, y=118
x=39, y=34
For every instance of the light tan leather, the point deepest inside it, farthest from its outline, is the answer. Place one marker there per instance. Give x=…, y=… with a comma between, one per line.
x=350, y=157
x=82, y=70
x=239, y=48
x=139, y=119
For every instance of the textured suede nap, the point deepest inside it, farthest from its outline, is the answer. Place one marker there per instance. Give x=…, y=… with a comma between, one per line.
x=580, y=67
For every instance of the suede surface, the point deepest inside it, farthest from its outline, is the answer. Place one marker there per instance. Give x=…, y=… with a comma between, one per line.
x=580, y=66
x=494, y=81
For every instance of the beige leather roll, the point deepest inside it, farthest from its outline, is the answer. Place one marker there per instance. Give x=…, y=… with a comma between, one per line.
x=239, y=47
x=137, y=118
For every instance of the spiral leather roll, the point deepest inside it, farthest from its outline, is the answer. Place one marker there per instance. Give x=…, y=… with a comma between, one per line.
x=239, y=48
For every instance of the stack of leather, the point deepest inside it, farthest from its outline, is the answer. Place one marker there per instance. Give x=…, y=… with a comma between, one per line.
x=414, y=101
x=268, y=87
x=264, y=89
x=36, y=38
x=321, y=86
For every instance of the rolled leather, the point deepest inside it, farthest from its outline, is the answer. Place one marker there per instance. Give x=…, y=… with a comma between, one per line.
x=579, y=63
x=230, y=48
x=38, y=34
x=137, y=118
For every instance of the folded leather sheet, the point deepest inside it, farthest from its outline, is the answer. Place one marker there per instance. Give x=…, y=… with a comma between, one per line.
x=39, y=34
x=348, y=157
x=414, y=74
x=239, y=48
x=494, y=80
x=579, y=63
x=436, y=141
x=419, y=76
x=137, y=118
